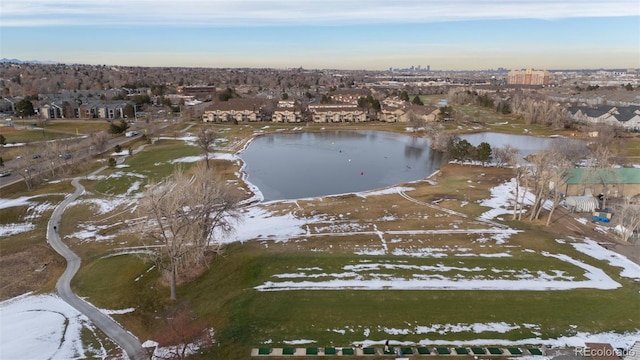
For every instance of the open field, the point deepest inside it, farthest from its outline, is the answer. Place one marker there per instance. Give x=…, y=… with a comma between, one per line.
x=79, y=126
x=13, y=135
x=430, y=262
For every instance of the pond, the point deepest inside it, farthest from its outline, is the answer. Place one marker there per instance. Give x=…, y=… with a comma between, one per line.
x=300, y=165
x=526, y=145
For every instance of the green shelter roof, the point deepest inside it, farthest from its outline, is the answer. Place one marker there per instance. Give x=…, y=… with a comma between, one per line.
x=610, y=176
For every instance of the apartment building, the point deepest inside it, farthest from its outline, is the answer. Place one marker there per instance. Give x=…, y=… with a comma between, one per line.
x=528, y=77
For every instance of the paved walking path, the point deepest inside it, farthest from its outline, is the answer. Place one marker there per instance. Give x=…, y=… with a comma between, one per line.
x=113, y=330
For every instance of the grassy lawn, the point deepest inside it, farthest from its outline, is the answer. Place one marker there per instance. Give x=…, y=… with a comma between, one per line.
x=633, y=147
x=339, y=317
x=31, y=135
x=26, y=261
x=145, y=166
x=79, y=127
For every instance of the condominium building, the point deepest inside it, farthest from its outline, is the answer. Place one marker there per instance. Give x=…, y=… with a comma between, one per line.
x=528, y=77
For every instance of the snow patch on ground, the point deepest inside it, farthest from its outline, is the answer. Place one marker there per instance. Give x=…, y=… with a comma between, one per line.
x=90, y=232
x=19, y=201
x=503, y=199
x=387, y=191
x=591, y=248
x=299, y=342
x=476, y=328
x=42, y=327
x=371, y=276
x=13, y=229
x=258, y=223
x=104, y=206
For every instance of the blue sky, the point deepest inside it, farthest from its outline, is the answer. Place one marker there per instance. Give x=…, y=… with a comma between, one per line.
x=342, y=34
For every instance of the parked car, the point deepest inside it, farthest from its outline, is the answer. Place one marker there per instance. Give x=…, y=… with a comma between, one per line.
x=5, y=173
x=65, y=156
x=36, y=156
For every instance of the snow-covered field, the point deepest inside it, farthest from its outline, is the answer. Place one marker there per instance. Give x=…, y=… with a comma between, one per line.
x=44, y=327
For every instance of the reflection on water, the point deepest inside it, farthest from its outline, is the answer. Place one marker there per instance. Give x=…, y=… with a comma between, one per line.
x=293, y=166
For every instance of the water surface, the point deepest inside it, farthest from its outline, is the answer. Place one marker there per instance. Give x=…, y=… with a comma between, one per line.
x=292, y=166
x=300, y=165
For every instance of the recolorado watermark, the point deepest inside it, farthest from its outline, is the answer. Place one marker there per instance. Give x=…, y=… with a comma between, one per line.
x=590, y=352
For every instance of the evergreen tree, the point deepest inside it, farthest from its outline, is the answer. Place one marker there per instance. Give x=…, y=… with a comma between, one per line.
x=24, y=107
x=484, y=153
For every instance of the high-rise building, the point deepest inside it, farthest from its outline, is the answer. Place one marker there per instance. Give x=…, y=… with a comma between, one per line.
x=528, y=77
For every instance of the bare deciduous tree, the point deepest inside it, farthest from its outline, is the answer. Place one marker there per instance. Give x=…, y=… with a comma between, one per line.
x=627, y=218
x=206, y=139
x=417, y=122
x=25, y=167
x=99, y=141
x=559, y=172
x=600, y=170
x=507, y=155
x=185, y=212
x=183, y=329
x=510, y=156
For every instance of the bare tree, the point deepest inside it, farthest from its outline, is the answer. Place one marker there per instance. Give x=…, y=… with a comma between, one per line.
x=185, y=212
x=600, y=170
x=417, y=122
x=25, y=167
x=605, y=136
x=183, y=329
x=206, y=139
x=439, y=139
x=507, y=155
x=559, y=170
x=510, y=156
x=627, y=217
x=99, y=141
x=524, y=175
x=541, y=175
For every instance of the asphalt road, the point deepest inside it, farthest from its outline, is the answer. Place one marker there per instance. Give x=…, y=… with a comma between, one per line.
x=38, y=166
x=120, y=336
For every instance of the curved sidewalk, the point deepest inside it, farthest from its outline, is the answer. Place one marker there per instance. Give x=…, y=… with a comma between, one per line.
x=113, y=330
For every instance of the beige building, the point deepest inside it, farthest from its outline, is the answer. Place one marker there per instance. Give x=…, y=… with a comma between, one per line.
x=528, y=77
x=396, y=110
x=287, y=111
x=335, y=113
x=240, y=110
x=349, y=96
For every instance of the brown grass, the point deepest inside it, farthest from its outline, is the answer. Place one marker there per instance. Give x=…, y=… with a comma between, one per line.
x=35, y=268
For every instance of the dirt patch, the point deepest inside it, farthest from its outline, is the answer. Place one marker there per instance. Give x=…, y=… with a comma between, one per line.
x=28, y=270
x=7, y=129
x=566, y=223
x=631, y=251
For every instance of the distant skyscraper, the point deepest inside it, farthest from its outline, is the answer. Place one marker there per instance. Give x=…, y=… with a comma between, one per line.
x=428, y=67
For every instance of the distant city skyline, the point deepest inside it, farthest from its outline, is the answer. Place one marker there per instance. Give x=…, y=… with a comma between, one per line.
x=329, y=34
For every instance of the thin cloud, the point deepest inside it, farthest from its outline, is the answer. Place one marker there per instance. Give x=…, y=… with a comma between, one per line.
x=235, y=13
